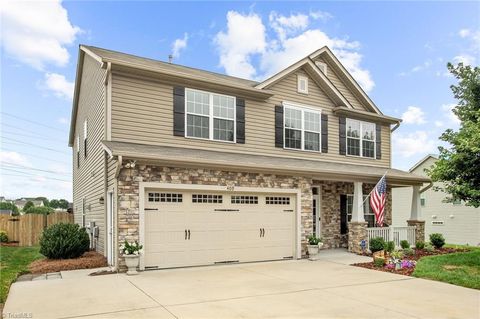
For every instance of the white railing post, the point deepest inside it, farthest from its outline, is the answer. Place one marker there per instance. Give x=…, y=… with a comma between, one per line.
x=390, y=232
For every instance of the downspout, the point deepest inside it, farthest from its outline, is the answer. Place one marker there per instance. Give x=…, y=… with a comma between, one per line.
x=119, y=166
x=426, y=187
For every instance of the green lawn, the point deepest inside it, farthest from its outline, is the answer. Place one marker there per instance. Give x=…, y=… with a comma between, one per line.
x=13, y=262
x=462, y=269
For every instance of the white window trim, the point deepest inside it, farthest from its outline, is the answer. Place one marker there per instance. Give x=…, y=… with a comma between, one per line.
x=322, y=66
x=85, y=129
x=211, y=117
x=303, y=108
x=361, y=139
x=299, y=78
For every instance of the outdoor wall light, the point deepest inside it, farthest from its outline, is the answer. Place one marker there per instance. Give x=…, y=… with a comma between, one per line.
x=101, y=200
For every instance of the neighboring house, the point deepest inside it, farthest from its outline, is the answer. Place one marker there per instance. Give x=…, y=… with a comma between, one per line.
x=7, y=212
x=204, y=168
x=458, y=223
x=20, y=203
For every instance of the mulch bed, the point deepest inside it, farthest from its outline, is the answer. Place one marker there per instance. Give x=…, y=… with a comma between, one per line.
x=88, y=260
x=10, y=244
x=419, y=253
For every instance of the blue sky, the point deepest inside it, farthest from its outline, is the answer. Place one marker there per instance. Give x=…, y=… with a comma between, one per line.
x=397, y=51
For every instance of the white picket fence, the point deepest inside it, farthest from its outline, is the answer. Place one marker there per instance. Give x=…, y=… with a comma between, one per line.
x=393, y=233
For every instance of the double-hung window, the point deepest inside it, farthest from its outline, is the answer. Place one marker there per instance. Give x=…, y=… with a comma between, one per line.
x=367, y=210
x=210, y=116
x=360, y=138
x=302, y=129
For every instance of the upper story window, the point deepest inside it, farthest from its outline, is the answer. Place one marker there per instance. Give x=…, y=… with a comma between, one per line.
x=302, y=129
x=85, y=137
x=360, y=138
x=302, y=84
x=322, y=66
x=210, y=116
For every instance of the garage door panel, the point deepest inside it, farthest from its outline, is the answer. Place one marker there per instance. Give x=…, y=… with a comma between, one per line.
x=221, y=228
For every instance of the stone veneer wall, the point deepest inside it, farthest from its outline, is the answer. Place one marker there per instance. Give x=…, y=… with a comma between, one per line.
x=128, y=192
x=330, y=210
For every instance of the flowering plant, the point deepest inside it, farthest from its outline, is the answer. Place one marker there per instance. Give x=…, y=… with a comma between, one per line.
x=408, y=263
x=131, y=248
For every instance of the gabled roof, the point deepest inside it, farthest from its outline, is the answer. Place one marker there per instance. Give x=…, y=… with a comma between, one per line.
x=423, y=160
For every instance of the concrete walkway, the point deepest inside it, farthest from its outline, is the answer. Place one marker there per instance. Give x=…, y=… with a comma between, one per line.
x=326, y=288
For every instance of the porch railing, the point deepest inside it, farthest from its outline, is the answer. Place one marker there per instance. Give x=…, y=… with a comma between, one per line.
x=392, y=233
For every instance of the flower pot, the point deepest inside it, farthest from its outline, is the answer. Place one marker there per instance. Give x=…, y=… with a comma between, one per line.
x=132, y=263
x=312, y=250
x=398, y=266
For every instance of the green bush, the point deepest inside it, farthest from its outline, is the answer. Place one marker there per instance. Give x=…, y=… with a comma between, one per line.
x=376, y=244
x=39, y=210
x=420, y=244
x=64, y=241
x=429, y=248
x=404, y=244
x=379, y=262
x=28, y=205
x=437, y=240
x=10, y=206
x=3, y=236
x=408, y=251
x=389, y=246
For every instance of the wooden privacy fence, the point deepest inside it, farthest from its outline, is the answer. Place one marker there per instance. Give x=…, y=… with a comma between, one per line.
x=27, y=229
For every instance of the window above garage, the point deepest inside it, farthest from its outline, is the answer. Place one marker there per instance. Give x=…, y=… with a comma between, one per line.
x=210, y=116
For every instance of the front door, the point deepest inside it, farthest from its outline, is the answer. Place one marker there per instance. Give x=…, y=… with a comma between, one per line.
x=110, y=248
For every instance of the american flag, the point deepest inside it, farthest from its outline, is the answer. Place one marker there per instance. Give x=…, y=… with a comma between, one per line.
x=378, y=199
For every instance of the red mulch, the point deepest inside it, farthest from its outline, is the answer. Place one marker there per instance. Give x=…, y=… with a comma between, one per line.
x=9, y=244
x=89, y=260
x=419, y=253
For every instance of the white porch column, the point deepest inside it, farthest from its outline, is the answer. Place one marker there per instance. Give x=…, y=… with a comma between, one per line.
x=357, y=207
x=416, y=211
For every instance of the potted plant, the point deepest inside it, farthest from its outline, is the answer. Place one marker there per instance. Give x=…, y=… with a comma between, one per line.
x=314, y=244
x=131, y=253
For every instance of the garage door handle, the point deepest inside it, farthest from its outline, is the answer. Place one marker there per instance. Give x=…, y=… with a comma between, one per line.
x=263, y=229
x=260, y=232
x=189, y=234
x=185, y=234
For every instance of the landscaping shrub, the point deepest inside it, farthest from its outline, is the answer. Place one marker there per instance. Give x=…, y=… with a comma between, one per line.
x=408, y=251
x=39, y=210
x=420, y=244
x=64, y=241
x=313, y=240
x=404, y=244
x=379, y=262
x=389, y=246
x=429, y=248
x=376, y=244
x=437, y=240
x=3, y=236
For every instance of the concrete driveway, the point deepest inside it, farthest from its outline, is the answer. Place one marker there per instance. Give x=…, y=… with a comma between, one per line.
x=327, y=288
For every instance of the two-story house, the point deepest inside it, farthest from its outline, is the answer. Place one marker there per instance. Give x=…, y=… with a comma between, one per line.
x=204, y=168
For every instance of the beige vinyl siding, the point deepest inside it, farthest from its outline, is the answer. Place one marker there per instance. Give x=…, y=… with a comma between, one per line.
x=89, y=179
x=340, y=85
x=142, y=112
x=461, y=223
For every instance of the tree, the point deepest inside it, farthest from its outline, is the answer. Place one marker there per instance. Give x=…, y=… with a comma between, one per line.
x=63, y=203
x=9, y=206
x=54, y=203
x=458, y=164
x=28, y=205
x=39, y=210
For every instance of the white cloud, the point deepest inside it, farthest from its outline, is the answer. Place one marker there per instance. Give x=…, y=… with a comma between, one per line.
x=413, y=115
x=59, y=85
x=466, y=59
x=321, y=15
x=246, y=37
x=14, y=158
x=417, y=68
x=37, y=32
x=414, y=143
x=463, y=33
x=438, y=123
x=179, y=45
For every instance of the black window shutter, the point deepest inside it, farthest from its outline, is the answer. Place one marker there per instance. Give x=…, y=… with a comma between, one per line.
x=343, y=214
x=240, y=121
x=342, y=135
x=324, y=133
x=179, y=111
x=378, y=134
x=279, y=126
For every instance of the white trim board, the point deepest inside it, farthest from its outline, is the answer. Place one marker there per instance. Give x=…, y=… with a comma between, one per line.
x=158, y=185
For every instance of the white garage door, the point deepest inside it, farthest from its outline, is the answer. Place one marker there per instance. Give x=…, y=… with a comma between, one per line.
x=189, y=228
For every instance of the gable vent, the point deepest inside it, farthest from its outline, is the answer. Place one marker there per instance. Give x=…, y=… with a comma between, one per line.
x=322, y=66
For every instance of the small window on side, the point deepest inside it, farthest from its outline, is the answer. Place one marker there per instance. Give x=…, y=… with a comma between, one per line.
x=302, y=84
